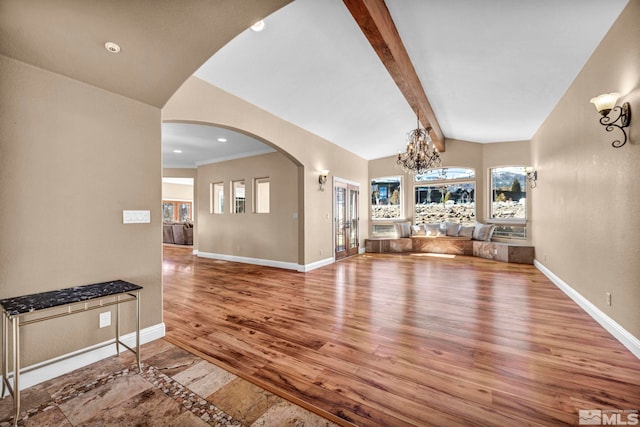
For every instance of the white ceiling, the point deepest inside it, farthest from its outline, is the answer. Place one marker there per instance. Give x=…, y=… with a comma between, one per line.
x=178, y=181
x=199, y=145
x=492, y=69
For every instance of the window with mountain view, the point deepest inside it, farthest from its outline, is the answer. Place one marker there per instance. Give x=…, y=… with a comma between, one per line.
x=386, y=198
x=508, y=192
x=445, y=194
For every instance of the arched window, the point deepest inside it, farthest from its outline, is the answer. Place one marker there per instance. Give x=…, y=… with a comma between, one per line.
x=447, y=174
x=445, y=194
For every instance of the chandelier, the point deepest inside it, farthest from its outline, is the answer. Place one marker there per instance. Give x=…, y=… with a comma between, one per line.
x=421, y=154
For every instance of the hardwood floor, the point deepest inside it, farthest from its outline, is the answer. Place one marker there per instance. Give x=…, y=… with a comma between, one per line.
x=400, y=340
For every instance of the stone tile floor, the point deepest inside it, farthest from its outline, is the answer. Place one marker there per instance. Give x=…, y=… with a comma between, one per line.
x=175, y=388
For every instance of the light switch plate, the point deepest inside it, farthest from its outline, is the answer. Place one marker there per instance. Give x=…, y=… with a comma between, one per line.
x=105, y=319
x=136, y=217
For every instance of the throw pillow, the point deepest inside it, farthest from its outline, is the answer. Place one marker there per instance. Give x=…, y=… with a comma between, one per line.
x=403, y=229
x=434, y=230
x=418, y=230
x=452, y=228
x=483, y=232
x=466, y=231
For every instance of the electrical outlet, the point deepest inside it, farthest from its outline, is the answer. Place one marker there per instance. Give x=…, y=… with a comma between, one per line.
x=105, y=319
x=608, y=298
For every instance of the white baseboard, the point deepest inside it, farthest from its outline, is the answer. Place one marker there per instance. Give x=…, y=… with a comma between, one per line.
x=317, y=264
x=268, y=262
x=44, y=371
x=614, y=328
x=247, y=260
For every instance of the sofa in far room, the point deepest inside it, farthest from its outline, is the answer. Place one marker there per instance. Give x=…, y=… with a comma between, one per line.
x=177, y=233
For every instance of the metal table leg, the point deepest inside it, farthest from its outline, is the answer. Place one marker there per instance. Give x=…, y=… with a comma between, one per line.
x=5, y=353
x=138, y=331
x=118, y=325
x=16, y=368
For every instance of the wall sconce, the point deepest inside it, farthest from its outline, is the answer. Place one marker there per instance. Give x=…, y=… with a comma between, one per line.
x=323, y=178
x=604, y=104
x=532, y=176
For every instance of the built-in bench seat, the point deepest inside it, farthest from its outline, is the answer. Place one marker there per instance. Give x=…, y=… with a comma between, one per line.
x=505, y=252
x=385, y=245
x=498, y=251
x=442, y=245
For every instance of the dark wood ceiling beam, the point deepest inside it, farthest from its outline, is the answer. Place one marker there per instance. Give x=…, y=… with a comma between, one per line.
x=376, y=23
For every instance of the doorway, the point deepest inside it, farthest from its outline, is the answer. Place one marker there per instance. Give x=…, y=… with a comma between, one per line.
x=346, y=218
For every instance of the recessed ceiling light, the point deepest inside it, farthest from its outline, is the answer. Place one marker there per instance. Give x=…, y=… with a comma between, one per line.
x=222, y=139
x=112, y=47
x=258, y=26
x=177, y=151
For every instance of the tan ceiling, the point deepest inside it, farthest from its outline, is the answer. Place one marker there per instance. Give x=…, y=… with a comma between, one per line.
x=163, y=41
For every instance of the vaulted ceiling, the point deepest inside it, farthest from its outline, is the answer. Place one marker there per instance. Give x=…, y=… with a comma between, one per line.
x=492, y=69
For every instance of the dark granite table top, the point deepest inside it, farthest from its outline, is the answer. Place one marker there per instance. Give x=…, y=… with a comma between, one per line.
x=34, y=302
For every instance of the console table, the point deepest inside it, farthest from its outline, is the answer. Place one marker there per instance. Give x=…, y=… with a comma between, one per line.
x=27, y=309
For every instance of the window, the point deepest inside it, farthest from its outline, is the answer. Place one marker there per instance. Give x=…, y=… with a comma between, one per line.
x=446, y=194
x=261, y=195
x=176, y=211
x=216, y=198
x=168, y=211
x=383, y=230
x=386, y=198
x=508, y=208
x=237, y=189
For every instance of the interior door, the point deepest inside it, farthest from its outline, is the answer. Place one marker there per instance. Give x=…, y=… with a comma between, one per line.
x=354, y=220
x=346, y=219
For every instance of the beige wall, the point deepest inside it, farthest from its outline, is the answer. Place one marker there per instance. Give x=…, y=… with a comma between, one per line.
x=199, y=102
x=459, y=153
x=72, y=157
x=181, y=192
x=586, y=205
x=180, y=173
x=272, y=236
